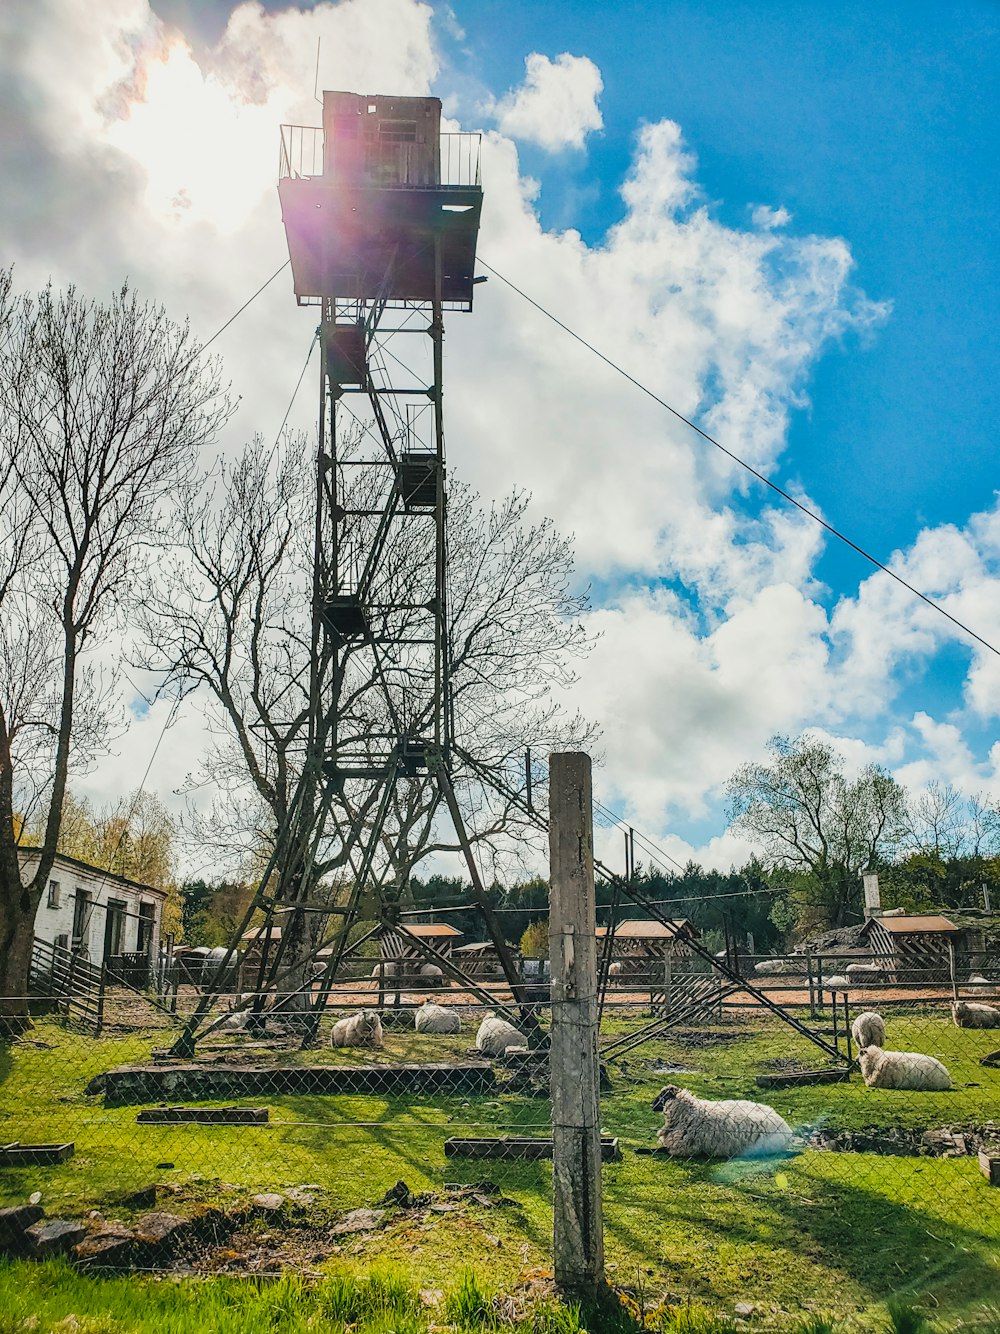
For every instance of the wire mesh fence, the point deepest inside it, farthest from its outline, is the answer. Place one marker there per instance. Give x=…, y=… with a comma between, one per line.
x=744, y=1146
x=263, y=1152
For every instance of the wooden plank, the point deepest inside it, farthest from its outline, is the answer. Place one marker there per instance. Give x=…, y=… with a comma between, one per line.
x=516, y=1146
x=989, y=1165
x=229, y=1116
x=208, y=1083
x=578, y=1228
x=790, y=1078
x=34, y=1155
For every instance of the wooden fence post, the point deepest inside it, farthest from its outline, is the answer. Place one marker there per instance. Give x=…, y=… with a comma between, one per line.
x=578, y=1235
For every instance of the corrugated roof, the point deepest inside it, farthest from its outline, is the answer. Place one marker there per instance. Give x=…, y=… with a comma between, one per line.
x=429, y=929
x=647, y=928
x=905, y=926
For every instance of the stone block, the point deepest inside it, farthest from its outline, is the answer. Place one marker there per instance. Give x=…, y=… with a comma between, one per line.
x=55, y=1237
x=15, y=1221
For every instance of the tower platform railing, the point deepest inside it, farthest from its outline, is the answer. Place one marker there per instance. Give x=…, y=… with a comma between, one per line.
x=301, y=156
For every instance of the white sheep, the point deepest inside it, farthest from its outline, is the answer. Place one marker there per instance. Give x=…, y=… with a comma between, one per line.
x=385, y=969
x=977, y=985
x=496, y=1035
x=363, y=1029
x=860, y=971
x=837, y=983
x=970, y=1014
x=697, y=1128
x=431, y=1018
x=903, y=1070
x=868, y=1030
x=615, y=969
x=431, y=975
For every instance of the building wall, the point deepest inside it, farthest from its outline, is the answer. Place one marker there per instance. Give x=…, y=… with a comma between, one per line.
x=55, y=920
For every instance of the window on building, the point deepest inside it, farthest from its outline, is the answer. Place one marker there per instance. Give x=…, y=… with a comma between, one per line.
x=81, y=919
x=114, y=928
x=53, y=899
x=398, y=131
x=144, y=928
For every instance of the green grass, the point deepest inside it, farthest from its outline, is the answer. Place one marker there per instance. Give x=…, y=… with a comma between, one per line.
x=820, y=1232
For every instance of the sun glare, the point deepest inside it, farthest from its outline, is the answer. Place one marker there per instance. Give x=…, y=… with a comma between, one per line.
x=207, y=154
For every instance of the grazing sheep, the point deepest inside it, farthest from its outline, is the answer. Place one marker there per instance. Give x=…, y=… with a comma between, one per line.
x=903, y=1070
x=363, y=1029
x=496, y=1035
x=431, y=975
x=696, y=1128
x=771, y=967
x=977, y=985
x=868, y=1030
x=969, y=1014
x=431, y=1018
x=859, y=972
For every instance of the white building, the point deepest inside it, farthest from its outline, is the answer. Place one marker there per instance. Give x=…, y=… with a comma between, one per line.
x=99, y=915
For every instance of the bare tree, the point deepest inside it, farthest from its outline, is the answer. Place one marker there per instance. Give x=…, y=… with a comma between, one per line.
x=241, y=631
x=809, y=818
x=943, y=822
x=103, y=409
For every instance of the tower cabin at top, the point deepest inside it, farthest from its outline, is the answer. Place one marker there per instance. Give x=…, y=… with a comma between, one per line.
x=382, y=206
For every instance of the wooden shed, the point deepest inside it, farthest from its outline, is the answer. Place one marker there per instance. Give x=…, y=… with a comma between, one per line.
x=394, y=947
x=481, y=959
x=912, y=948
x=643, y=945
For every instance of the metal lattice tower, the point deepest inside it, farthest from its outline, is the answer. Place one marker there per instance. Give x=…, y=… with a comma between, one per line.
x=381, y=213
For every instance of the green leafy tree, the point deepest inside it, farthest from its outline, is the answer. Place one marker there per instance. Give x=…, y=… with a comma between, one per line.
x=808, y=817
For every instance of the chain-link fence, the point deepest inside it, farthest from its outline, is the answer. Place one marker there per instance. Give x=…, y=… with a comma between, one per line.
x=772, y=1154
x=404, y=1129
x=747, y=1157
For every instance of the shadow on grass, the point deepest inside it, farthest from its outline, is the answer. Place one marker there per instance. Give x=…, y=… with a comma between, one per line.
x=849, y=1239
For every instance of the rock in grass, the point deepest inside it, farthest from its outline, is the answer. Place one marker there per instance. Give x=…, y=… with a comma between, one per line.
x=111, y=1244
x=267, y=1203
x=15, y=1221
x=358, y=1220
x=160, y=1228
x=54, y=1237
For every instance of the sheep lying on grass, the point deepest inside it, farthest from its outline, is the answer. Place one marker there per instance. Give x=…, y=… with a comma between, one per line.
x=496, y=1035
x=696, y=1128
x=972, y=1014
x=358, y=1030
x=432, y=1018
x=903, y=1070
x=868, y=1030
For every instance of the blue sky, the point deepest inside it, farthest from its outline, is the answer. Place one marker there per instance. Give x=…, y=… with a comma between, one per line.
x=786, y=219
x=875, y=122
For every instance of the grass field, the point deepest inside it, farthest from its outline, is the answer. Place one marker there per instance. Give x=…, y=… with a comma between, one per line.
x=821, y=1231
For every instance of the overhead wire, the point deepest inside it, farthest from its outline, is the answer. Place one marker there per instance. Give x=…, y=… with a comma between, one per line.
x=246, y=303
x=754, y=472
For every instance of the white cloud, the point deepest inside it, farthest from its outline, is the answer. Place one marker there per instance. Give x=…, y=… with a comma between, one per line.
x=556, y=105
x=769, y=218
x=133, y=156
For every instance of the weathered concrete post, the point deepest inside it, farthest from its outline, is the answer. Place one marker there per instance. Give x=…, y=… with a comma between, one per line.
x=578, y=1229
